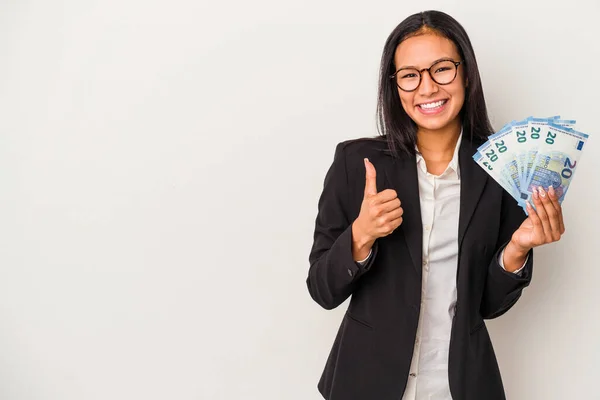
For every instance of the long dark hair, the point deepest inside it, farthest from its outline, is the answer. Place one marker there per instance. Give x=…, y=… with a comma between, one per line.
x=393, y=122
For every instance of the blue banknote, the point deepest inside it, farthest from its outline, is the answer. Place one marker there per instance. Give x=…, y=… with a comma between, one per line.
x=531, y=153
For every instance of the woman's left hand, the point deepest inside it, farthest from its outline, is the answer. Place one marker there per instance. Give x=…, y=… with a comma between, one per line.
x=544, y=224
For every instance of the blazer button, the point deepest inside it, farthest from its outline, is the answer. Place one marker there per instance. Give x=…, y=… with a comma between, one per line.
x=350, y=272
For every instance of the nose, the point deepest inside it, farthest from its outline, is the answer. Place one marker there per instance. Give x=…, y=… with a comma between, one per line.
x=427, y=86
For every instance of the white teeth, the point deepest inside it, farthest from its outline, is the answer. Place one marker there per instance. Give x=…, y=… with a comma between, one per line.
x=433, y=105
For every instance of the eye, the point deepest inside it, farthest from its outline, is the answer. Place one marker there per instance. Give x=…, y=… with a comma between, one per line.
x=442, y=69
x=408, y=75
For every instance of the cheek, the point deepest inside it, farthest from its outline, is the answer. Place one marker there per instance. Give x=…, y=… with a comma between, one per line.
x=461, y=89
x=460, y=96
x=458, y=93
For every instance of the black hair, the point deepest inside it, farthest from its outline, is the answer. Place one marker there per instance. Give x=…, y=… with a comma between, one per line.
x=393, y=123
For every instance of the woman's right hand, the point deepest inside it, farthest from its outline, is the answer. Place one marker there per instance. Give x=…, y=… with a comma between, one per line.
x=380, y=214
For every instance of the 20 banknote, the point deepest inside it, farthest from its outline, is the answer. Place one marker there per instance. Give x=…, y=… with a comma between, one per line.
x=531, y=153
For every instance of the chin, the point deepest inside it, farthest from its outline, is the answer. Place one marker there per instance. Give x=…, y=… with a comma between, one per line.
x=433, y=124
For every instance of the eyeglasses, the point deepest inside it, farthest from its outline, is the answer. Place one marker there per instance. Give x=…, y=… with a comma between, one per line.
x=441, y=72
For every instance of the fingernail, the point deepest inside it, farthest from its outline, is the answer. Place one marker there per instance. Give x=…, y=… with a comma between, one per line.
x=528, y=204
x=551, y=190
x=365, y=160
x=542, y=192
x=535, y=193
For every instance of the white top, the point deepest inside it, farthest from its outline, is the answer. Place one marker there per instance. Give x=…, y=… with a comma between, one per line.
x=440, y=204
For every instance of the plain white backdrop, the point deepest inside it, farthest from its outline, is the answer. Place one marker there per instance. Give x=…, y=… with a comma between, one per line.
x=160, y=166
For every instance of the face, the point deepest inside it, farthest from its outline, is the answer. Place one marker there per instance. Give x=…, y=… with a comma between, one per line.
x=431, y=106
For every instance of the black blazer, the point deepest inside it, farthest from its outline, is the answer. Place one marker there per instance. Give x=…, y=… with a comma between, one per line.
x=371, y=354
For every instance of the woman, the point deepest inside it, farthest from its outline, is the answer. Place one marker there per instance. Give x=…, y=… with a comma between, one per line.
x=425, y=242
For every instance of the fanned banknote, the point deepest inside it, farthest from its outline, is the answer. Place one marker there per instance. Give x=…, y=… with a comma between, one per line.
x=531, y=153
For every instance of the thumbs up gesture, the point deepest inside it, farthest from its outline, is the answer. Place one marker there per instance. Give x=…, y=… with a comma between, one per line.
x=380, y=213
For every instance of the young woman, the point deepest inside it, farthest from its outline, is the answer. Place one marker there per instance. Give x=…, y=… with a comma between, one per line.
x=425, y=242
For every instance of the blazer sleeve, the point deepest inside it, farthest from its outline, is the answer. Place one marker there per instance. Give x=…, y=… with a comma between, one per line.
x=333, y=273
x=504, y=288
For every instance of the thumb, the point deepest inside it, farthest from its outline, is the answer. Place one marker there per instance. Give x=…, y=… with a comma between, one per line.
x=370, y=182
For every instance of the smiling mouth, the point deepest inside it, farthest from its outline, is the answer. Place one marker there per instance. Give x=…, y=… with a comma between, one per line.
x=432, y=106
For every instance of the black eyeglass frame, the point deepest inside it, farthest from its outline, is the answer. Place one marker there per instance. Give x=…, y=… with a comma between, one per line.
x=456, y=64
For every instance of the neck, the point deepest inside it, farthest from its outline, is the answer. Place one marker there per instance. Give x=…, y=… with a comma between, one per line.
x=438, y=145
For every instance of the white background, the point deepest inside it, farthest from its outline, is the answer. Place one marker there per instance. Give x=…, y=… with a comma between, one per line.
x=160, y=166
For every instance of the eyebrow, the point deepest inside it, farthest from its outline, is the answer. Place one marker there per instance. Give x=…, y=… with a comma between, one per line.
x=439, y=59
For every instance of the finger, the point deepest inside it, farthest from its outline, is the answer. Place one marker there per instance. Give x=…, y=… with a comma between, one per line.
x=541, y=212
x=391, y=205
x=383, y=211
x=538, y=229
x=552, y=214
x=558, y=208
x=386, y=195
x=395, y=223
x=397, y=213
x=370, y=181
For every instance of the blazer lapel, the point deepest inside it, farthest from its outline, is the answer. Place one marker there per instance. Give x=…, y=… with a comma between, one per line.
x=401, y=175
x=472, y=182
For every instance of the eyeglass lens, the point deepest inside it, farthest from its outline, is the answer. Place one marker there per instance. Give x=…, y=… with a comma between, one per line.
x=442, y=72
